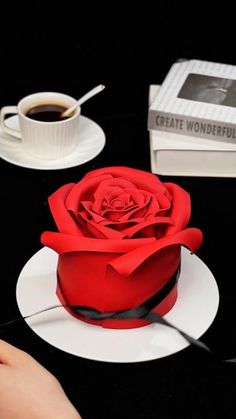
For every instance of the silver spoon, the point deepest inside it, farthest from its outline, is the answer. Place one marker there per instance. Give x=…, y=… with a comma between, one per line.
x=83, y=99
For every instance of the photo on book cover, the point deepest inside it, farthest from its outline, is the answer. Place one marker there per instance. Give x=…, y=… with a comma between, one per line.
x=209, y=89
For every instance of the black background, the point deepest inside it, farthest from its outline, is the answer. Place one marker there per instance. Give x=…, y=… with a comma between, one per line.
x=70, y=49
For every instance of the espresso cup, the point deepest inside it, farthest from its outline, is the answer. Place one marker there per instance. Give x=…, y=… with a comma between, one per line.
x=52, y=139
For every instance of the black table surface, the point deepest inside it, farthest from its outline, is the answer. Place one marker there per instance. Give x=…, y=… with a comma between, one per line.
x=189, y=383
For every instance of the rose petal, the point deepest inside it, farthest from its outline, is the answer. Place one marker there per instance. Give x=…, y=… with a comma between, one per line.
x=137, y=196
x=96, y=217
x=149, y=208
x=131, y=231
x=118, y=203
x=65, y=243
x=105, y=192
x=65, y=223
x=82, y=191
x=120, y=226
x=114, y=185
x=181, y=208
x=126, y=198
x=142, y=179
x=127, y=263
x=164, y=201
x=119, y=215
x=115, y=214
x=156, y=203
x=136, y=211
x=109, y=201
x=101, y=229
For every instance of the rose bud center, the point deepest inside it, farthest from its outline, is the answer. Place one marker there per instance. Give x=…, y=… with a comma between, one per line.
x=118, y=203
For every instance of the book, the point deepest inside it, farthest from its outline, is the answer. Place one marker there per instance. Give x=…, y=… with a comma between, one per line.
x=181, y=155
x=197, y=98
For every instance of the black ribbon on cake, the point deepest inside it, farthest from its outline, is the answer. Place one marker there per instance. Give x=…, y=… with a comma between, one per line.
x=139, y=312
x=143, y=311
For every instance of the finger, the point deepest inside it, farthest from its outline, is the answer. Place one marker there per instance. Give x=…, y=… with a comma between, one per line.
x=9, y=353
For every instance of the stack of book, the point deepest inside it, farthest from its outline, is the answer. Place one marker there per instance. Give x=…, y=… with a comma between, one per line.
x=192, y=120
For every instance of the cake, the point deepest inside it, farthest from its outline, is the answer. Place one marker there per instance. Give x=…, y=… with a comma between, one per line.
x=119, y=238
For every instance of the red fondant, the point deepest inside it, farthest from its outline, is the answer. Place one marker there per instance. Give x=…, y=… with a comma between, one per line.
x=119, y=240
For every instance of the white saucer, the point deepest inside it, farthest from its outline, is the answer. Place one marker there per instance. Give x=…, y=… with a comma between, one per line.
x=91, y=143
x=193, y=312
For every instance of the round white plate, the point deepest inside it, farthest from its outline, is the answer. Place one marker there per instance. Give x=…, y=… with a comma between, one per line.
x=193, y=312
x=90, y=144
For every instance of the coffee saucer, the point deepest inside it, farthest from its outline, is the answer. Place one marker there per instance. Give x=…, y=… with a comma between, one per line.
x=91, y=140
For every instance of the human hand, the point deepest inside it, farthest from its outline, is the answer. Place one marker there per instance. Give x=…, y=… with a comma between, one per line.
x=28, y=390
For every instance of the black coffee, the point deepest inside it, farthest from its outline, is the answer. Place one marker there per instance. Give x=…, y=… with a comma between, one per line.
x=47, y=113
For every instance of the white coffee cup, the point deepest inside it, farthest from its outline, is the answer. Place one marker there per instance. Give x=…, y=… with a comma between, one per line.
x=44, y=140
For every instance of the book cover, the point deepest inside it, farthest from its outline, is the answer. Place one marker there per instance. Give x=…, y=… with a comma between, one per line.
x=197, y=98
x=182, y=155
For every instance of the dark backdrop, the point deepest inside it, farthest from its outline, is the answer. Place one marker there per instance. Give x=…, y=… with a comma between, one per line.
x=71, y=49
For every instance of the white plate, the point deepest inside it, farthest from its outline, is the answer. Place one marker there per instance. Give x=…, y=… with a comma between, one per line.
x=193, y=312
x=90, y=144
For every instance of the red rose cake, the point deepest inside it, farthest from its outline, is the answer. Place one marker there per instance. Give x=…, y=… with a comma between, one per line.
x=120, y=232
